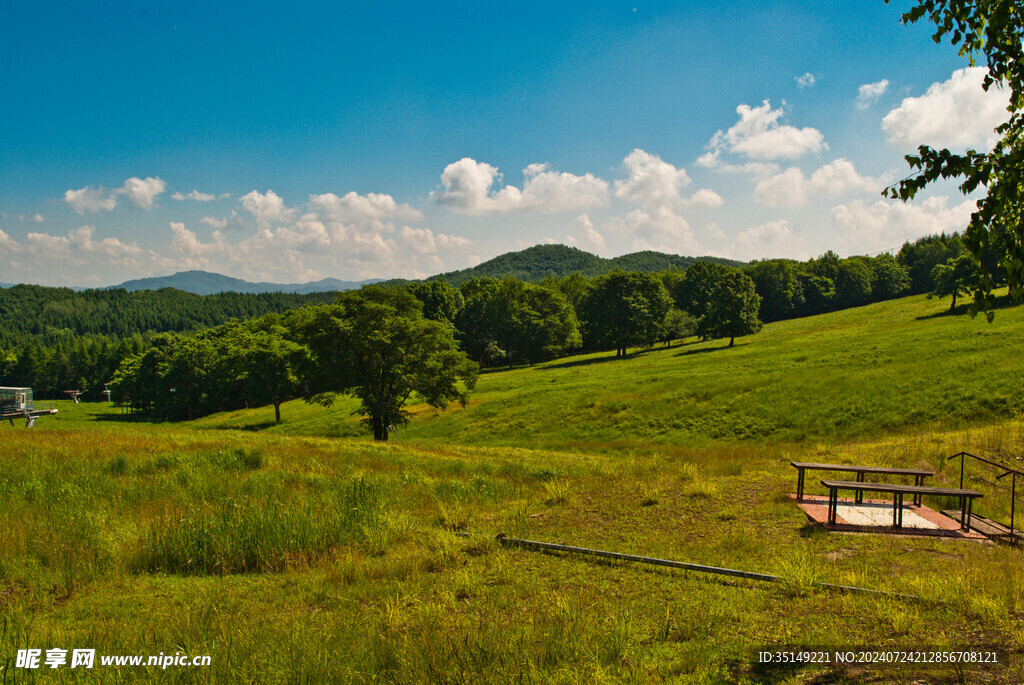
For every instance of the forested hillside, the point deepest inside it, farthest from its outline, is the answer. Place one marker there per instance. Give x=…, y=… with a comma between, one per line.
x=541, y=261
x=56, y=339
x=32, y=313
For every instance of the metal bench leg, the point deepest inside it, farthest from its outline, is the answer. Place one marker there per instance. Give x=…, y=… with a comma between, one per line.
x=858, y=496
x=970, y=507
x=917, y=495
x=963, y=512
x=833, y=505
x=800, y=485
x=895, y=510
x=901, y=511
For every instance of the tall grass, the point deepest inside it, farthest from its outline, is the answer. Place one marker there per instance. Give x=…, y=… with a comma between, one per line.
x=251, y=536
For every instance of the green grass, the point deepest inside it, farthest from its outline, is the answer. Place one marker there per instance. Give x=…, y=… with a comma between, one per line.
x=290, y=554
x=860, y=372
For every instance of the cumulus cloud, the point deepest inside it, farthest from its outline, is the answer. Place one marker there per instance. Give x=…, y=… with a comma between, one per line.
x=955, y=113
x=37, y=218
x=769, y=240
x=89, y=199
x=657, y=228
x=355, y=207
x=868, y=93
x=651, y=181
x=586, y=236
x=194, y=195
x=656, y=186
x=760, y=135
x=702, y=199
x=791, y=188
x=884, y=225
x=805, y=81
x=143, y=191
x=266, y=208
x=468, y=189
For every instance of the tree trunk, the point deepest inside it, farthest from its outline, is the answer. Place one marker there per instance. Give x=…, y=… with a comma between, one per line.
x=277, y=411
x=953, y=305
x=731, y=341
x=380, y=431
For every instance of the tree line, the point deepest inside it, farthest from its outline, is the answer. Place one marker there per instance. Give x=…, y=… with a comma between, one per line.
x=494, y=321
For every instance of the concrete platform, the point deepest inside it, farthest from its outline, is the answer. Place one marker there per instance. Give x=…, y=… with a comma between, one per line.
x=875, y=516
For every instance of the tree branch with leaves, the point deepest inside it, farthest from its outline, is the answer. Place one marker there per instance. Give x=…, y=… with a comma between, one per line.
x=992, y=30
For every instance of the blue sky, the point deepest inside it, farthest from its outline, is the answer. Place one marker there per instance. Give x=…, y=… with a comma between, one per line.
x=291, y=143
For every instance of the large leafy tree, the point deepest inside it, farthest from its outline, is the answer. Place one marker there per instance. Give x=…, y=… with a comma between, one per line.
x=376, y=344
x=511, y=321
x=954, y=277
x=694, y=292
x=989, y=30
x=734, y=307
x=622, y=309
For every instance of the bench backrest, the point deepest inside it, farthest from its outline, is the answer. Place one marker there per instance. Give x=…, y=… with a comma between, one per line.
x=854, y=468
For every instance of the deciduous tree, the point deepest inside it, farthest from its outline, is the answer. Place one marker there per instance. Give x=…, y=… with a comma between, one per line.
x=990, y=30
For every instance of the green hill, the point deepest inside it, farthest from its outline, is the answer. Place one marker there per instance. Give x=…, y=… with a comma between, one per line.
x=861, y=372
x=536, y=263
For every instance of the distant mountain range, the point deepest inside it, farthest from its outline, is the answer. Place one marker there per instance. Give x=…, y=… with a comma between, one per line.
x=532, y=264
x=206, y=283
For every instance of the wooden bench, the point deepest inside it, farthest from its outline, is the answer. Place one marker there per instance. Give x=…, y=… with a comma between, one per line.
x=802, y=466
x=967, y=498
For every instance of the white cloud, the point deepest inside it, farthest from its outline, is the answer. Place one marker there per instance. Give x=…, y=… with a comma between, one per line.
x=955, y=113
x=354, y=207
x=586, y=237
x=267, y=208
x=868, y=93
x=885, y=225
x=143, y=191
x=38, y=218
x=805, y=81
x=214, y=222
x=657, y=228
x=7, y=244
x=89, y=199
x=194, y=195
x=792, y=189
x=467, y=189
x=552, y=191
x=651, y=181
x=702, y=199
x=769, y=240
x=759, y=135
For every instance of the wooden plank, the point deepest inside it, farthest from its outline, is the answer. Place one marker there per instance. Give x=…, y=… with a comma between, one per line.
x=853, y=468
x=897, y=487
x=986, y=527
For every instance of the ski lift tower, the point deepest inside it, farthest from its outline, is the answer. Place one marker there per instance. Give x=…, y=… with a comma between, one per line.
x=17, y=403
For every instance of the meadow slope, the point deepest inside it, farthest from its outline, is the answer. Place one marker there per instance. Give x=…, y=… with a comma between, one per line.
x=304, y=552
x=859, y=372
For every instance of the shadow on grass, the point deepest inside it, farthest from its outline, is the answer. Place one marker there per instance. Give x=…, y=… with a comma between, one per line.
x=255, y=426
x=124, y=418
x=703, y=350
x=1001, y=302
x=602, y=360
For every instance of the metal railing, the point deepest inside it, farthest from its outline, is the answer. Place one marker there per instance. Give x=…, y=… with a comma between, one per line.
x=1007, y=471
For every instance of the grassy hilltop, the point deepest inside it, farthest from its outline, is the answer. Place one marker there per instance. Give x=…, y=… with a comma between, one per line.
x=860, y=372
x=305, y=552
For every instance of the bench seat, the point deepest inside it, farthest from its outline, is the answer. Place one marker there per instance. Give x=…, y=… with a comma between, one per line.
x=898, y=490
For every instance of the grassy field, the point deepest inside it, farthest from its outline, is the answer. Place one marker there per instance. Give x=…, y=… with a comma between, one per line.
x=304, y=552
